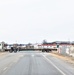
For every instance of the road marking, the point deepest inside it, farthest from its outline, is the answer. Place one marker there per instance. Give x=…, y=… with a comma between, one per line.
x=32, y=55
x=54, y=65
x=5, y=68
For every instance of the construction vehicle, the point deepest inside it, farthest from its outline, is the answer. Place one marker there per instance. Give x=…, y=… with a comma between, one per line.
x=14, y=48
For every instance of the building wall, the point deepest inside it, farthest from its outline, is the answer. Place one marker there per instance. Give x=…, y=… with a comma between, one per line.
x=0, y=46
x=66, y=50
x=3, y=46
x=71, y=50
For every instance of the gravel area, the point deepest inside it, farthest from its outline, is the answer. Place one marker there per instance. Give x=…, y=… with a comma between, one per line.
x=66, y=58
x=3, y=53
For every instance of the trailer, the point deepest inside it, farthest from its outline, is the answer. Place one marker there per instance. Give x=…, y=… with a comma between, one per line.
x=48, y=49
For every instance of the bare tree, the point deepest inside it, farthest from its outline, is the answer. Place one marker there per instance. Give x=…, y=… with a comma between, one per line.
x=44, y=42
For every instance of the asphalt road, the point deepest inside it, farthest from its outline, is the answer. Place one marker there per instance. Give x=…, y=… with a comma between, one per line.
x=33, y=63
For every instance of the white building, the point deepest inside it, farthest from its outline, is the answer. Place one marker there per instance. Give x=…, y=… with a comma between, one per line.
x=35, y=46
x=2, y=46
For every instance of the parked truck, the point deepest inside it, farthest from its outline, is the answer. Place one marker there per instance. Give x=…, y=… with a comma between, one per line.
x=48, y=49
x=14, y=48
x=45, y=48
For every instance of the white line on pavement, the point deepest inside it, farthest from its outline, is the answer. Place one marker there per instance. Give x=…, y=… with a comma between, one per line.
x=5, y=68
x=54, y=65
x=32, y=55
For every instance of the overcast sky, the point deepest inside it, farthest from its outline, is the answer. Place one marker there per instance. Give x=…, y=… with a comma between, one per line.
x=25, y=21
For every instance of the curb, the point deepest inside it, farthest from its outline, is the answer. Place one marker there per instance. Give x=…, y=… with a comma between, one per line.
x=64, y=57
